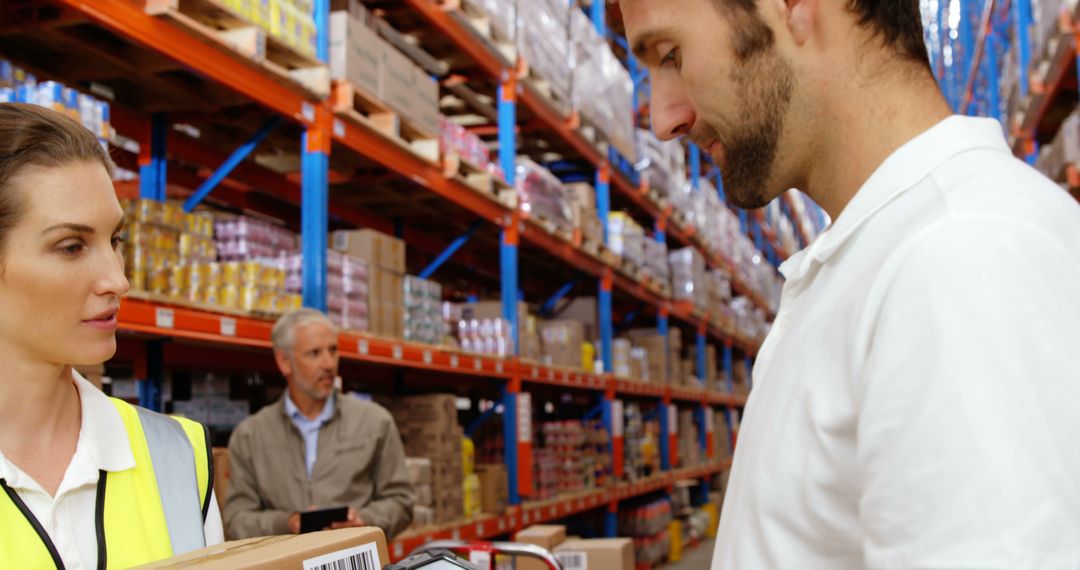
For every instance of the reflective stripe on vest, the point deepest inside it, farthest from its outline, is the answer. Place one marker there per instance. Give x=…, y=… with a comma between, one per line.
x=153, y=511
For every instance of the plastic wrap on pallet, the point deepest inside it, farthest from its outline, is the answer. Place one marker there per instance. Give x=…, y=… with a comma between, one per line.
x=543, y=195
x=471, y=148
x=503, y=15
x=603, y=91
x=545, y=42
x=688, y=276
x=626, y=238
x=656, y=259
x=663, y=166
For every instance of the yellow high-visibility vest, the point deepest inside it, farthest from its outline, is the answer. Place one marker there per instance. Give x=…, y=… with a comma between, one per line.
x=153, y=511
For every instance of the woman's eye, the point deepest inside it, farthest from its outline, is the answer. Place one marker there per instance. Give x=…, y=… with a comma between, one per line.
x=117, y=241
x=72, y=249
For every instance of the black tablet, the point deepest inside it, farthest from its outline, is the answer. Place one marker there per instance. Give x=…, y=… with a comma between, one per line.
x=321, y=519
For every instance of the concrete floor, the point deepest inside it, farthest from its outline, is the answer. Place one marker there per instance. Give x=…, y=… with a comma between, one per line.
x=697, y=559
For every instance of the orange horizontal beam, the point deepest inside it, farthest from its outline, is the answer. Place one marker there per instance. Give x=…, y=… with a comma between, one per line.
x=248, y=79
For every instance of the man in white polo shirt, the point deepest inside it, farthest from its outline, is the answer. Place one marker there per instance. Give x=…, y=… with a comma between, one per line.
x=914, y=404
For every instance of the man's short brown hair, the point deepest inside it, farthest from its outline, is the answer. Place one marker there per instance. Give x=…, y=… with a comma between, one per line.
x=898, y=23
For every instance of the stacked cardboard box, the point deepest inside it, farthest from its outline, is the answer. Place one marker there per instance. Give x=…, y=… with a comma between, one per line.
x=385, y=257
x=359, y=56
x=690, y=452
x=711, y=365
x=420, y=477
x=492, y=311
x=545, y=536
x=603, y=91
x=562, y=342
x=721, y=436
x=626, y=238
x=429, y=429
x=688, y=277
x=494, y=487
x=542, y=195
x=423, y=311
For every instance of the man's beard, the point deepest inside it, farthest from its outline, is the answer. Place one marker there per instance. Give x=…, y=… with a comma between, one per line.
x=764, y=82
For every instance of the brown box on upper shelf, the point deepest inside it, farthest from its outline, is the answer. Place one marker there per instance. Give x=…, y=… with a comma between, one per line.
x=356, y=52
x=439, y=409
x=656, y=355
x=424, y=104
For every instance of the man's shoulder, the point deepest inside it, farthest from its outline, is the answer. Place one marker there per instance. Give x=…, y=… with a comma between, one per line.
x=258, y=422
x=358, y=410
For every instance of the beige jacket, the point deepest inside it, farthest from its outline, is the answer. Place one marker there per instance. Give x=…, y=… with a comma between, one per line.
x=360, y=463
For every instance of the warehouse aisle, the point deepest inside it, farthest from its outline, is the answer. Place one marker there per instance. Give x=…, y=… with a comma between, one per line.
x=696, y=559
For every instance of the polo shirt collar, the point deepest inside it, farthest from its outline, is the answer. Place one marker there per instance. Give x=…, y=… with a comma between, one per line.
x=900, y=172
x=103, y=433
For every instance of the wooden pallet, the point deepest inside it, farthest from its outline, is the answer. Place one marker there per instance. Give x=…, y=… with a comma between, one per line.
x=479, y=179
x=564, y=233
x=632, y=270
x=543, y=88
x=609, y=257
x=359, y=106
x=215, y=23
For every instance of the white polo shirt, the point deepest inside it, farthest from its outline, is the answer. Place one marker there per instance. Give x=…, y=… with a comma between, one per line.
x=917, y=403
x=69, y=517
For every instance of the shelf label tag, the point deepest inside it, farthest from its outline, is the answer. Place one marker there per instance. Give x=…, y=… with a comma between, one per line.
x=551, y=375
x=428, y=357
x=362, y=347
x=454, y=360
x=535, y=372
x=673, y=420
x=308, y=111
x=616, y=418
x=480, y=529
x=499, y=367
x=399, y=352
x=164, y=318
x=478, y=364
x=524, y=417
x=339, y=129
x=709, y=420
x=228, y=326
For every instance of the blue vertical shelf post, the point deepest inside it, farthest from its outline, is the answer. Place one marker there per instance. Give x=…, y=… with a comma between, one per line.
x=508, y=273
x=314, y=187
x=152, y=186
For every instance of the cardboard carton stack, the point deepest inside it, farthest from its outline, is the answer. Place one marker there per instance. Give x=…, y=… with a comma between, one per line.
x=721, y=436
x=494, y=487
x=420, y=476
x=542, y=195
x=482, y=329
x=690, y=452
x=606, y=553
x=385, y=257
x=626, y=238
x=562, y=342
x=359, y=56
x=547, y=537
x=210, y=404
x=712, y=366
x=423, y=311
x=583, y=210
x=603, y=91
x=648, y=526
x=429, y=429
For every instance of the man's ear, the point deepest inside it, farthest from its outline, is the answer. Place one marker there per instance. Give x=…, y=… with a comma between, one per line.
x=801, y=19
x=283, y=363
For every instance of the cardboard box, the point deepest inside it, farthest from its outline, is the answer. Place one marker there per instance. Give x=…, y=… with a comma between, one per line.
x=494, y=487
x=423, y=495
x=376, y=248
x=544, y=536
x=356, y=52
x=562, y=342
x=531, y=346
x=362, y=547
x=656, y=354
x=386, y=301
x=419, y=470
x=438, y=409
x=424, y=106
x=222, y=474
x=399, y=80
x=584, y=310
x=596, y=554
x=435, y=445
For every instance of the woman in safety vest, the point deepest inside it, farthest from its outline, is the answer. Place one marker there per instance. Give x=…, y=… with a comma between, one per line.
x=86, y=481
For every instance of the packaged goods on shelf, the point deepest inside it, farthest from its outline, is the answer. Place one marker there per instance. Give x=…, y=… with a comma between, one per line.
x=640, y=455
x=785, y=230
x=18, y=86
x=385, y=257
x=347, y=287
x=663, y=166
x=711, y=365
x=620, y=351
x=648, y=526
x=502, y=14
x=491, y=337
x=471, y=491
x=626, y=238
x=721, y=436
x=750, y=321
x=429, y=429
x=688, y=277
x=656, y=260
x=410, y=91
x=1063, y=151
x=293, y=26
x=544, y=43
x=545, y=536
x=210, y=403
x=423, y=311
x=583, y=208
x=456, y=139
x=603, y=91
x=606, y=553
x=572, y=456
x=241, y=238
x=542, y=195
x=497, y=328
x=562, y=342
x=690, y=452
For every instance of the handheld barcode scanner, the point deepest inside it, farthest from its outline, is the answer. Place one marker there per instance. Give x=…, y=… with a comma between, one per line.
x=439, y=555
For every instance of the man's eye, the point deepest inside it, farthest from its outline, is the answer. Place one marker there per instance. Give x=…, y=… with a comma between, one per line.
x=670, y=58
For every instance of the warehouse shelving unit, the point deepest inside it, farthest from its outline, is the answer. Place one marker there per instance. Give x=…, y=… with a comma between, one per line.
x=323, y=139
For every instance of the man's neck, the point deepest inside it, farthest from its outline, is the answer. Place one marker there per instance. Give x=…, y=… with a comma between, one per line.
x=862, y=125
x=309, y=407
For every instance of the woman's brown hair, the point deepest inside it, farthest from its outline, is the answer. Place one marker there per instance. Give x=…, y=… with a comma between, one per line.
x=35, y=136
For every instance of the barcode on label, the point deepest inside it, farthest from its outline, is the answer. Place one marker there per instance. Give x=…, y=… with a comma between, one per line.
x=480, y=559
x=365, y=557
x=572, y=560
